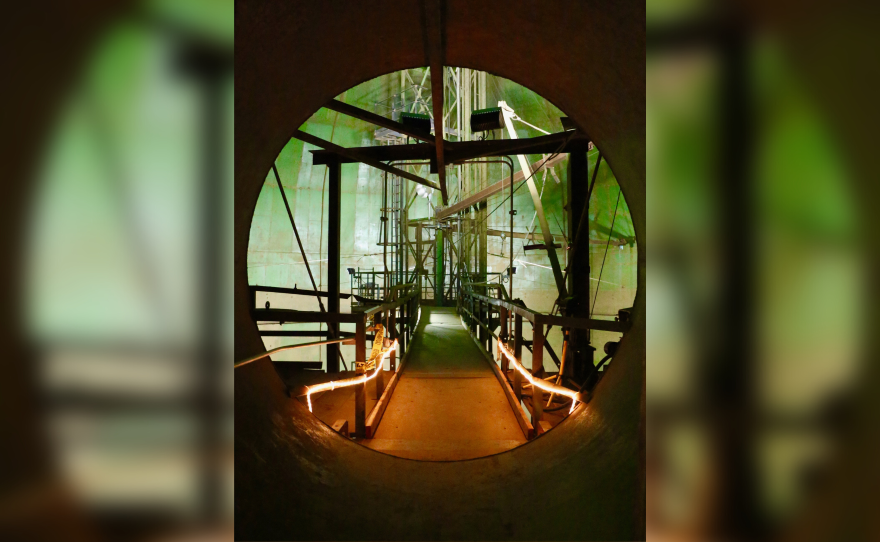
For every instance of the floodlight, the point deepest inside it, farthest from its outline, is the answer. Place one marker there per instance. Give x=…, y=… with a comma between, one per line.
x=483, y=120
x=416, y=122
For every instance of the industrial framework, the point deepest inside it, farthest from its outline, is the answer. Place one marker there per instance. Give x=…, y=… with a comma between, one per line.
x=442, y=258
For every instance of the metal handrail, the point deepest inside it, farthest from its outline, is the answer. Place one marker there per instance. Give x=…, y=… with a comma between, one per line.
x=410, y=310
x=494, y=285
x=288, y=347
x=547, y=319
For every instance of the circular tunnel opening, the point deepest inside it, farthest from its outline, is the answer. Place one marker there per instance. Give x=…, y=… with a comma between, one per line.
x=474, y=263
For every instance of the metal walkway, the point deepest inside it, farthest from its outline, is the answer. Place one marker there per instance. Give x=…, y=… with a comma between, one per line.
x=448, y=404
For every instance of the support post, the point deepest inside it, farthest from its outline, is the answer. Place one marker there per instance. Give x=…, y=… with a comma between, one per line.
x=479, y=329
x=404, y=343
x=419, y=267
x=492, y=322
x=393, y=359
x=334, y=178
x=440, y=270
x=503, y=336
x=392, y=327
x=517, y=353
x=579, y=266
x=537, y=372
x=360, y=390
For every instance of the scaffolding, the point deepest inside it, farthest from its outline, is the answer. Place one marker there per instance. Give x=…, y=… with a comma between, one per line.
x=464, y=92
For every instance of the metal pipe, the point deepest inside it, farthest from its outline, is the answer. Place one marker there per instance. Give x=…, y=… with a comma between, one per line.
x=288, y=347
x=401, y=223
x=509, y=161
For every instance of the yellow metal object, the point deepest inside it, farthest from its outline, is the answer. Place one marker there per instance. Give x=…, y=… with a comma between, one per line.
x=378, y=343
x=362, y=379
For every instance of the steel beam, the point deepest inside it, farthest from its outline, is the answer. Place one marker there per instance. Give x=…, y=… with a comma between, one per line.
x=334, y=193
x=539, y=207
x=354, y=155
x=579, y=260
x=360, y=390
x=516, y=235
x=459, y=151
x=435, y=52
x=378, y=120
x=495, y=188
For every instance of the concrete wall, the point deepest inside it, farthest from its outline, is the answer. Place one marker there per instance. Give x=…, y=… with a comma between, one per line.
x=297, y=479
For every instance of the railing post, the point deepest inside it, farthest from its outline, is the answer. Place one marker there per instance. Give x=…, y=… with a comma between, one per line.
x=360, y=407
x=490, y=326
x=393, y=359
x=405, y=330
x=478, y=328
x=414, y=314
x=537, y=372
x=517, y=353
x=475, y=316
x=390, y=339
x=502, y=337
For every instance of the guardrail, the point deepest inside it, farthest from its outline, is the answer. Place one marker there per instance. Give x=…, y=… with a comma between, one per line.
x=399, y=314
x=482, y=315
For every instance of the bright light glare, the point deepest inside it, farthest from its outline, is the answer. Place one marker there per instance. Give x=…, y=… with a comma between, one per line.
x=546, y=386
x=350, y=381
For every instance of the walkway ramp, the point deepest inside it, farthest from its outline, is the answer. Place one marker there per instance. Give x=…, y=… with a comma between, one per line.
x=448, y=404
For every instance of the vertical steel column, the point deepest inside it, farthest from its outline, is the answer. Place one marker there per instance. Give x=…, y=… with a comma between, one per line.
x=579, y=263
x=391, y=328
x=393, y=359
x=333, y=258
x=404, y=343
x=440, y=269
x=517, y=353
x=488, y=337
x=537, y=372
x=502, y=337
x=419, y=274
x=481, y=333
x=360, y=390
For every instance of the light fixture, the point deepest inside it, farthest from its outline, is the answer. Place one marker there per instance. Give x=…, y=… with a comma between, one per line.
x=416, y=121
x=483, y=120
x=350, y=270
x=424, y=191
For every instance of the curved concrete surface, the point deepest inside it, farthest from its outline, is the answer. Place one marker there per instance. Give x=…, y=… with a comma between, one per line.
x=295, y=478
x=448, y=404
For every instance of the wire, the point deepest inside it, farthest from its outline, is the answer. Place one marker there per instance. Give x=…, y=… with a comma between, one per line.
x=598, y=284
x=524, y=181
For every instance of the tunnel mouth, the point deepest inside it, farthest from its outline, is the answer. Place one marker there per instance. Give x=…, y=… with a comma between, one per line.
x=295, y=192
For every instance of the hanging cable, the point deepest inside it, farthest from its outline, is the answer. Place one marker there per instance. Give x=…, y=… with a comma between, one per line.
x=598, y=284
x=301, y=249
